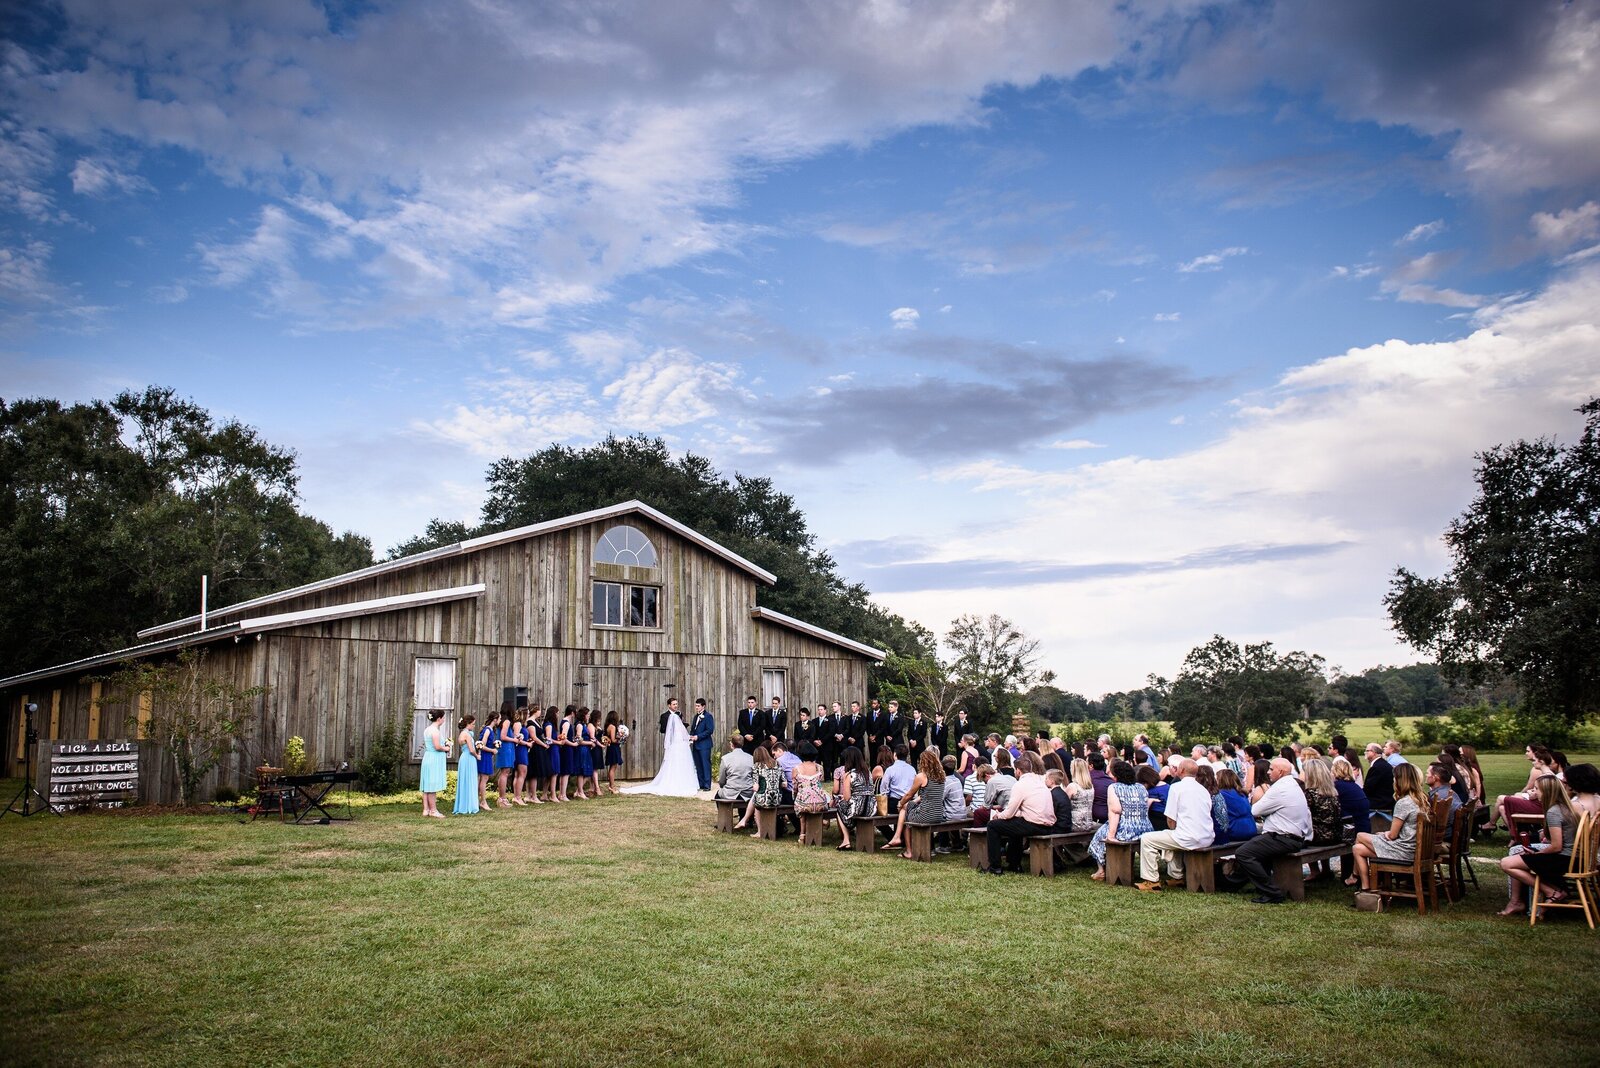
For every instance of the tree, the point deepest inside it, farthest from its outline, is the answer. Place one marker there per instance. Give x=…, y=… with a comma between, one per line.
x=195, y=716
x=1224, y=690
x=748, y=515
x=111, y=511
x=1522, y=594
x=996, y=662
x=921, y=682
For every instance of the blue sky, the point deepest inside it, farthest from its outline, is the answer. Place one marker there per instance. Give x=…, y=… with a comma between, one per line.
x=1134, y=323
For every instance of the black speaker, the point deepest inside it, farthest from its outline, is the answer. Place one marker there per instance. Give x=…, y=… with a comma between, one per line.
x=517, y=695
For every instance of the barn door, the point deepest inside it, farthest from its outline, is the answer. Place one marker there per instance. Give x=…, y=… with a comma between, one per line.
x=639, y=697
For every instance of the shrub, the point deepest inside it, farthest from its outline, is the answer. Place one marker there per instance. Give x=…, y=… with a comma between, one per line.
x=294, y=756
x=1429, y=731
x=225, y=795
x=1474, y=725
x=386, y=755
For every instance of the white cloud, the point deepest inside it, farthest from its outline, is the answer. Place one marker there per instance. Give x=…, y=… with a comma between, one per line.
x=1559, y=231
x=1360, y=270
x=1349, y=467
x=905, y=318
x=1422, y=232
x=1211, y=261
x=1168, y=317
x=945, y=309
x=1075, y=443
x=99, y=178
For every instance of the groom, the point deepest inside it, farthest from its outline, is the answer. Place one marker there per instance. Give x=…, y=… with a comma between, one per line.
x=701, y=732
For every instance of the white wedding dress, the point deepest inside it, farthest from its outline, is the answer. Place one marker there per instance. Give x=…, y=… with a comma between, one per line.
x=677, y=777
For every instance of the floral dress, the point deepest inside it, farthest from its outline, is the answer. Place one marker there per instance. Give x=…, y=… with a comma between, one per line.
x=809, y=796
x=769, y=787
x=861, y=800
x=1133, y=821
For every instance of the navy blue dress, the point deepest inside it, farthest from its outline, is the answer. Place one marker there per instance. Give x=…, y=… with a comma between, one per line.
x=586, y=753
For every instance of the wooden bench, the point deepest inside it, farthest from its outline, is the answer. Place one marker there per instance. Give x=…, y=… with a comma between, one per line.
x=1288, y=871
x=1119, y=862
x=1042, y=850
x=864, y=836
x=767, y=821
x=978, y=847
x=1199, y=866
x=811, y=824
x=728, y=814
x=919, y=839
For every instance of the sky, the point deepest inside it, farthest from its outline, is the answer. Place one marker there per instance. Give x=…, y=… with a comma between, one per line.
x=1134, y=323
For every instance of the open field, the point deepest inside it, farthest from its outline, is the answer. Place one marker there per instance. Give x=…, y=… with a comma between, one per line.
x=627, y=931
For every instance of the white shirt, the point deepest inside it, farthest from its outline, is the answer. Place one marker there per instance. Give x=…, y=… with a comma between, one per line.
x=1283, y=809
x=1189, y=814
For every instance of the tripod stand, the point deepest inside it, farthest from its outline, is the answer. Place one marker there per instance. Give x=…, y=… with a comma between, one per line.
x=28, y=792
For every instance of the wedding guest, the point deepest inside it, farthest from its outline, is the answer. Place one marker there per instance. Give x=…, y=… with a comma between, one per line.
x=435, y=753
x=1102, y=787
x=1354, y=812
x=768, y=792
x=1583, y=785
x=611, y=737
x=1080, y=790
x=466, y=768
x=736, y=776
x=939, y=735
x=1524, y=802
x=1241, y=825
x=1189, y=817
x=1001, y=782
x=916, y=735
x=1399, y=843
x=1127, y=814
x=896, y=779
x=963, y=726
x=1146, y=776
x=1322, y=798
x=786, y=760
x=922, y=802
x=1028, y=811
x=969, y=759
x=978, y=788
x=1474, y=772
x=809, y=796
x=854, y=797
x=1548, y=860
x=1285, y=820
x=1378, y=783
x=1439, y=782
x=1262, y=777
x=955, y=796
x=1147, y=755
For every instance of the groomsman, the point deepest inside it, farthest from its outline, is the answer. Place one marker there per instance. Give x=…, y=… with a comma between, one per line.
x=749, y=724
x=851, y=725
x=916, y=736
x=823, y=726
x=896, y=724
x=939, y=736
x=777, y=721
x=962, y=727
x=805, y=729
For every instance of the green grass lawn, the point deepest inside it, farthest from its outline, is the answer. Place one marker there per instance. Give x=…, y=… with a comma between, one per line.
x=627, y=931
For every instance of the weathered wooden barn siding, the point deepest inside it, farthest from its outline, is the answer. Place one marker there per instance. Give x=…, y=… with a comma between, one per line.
x=335, y=683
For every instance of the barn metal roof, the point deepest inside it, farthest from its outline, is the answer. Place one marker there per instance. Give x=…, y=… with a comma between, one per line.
x=471, y=545
x=815, y=631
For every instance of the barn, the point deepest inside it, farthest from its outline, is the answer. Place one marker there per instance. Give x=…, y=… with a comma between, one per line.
x=617, y=608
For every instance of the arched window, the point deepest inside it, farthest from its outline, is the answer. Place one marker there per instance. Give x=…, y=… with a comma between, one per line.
x=625, y=545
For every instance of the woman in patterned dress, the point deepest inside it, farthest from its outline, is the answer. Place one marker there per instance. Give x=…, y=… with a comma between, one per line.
x=1127, y=814
x=769, y=787
x=853, y=794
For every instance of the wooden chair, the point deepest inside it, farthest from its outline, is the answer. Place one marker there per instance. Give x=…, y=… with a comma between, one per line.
x=1424, y=888
x=270, y=792
x=1583, y=876
x=1444, y=822
x=1461, y=848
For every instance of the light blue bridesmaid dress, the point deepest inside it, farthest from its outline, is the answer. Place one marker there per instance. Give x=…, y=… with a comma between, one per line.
x=466, y=785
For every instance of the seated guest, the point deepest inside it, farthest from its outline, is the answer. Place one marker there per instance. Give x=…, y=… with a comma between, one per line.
x=1322, y=797
x=1102, y=786
x=1147, y=777
x=1241, y=823
x=768, y=792
x=1548, y=860
x=1285, y=821
x=1399, y=843
x=809, y=796
x=1583, y=784
x=1052, y=762
x=968, y=763
x=1247, y=778
x=1526, y=802
x=1378, y=784
x=1206, y=776
x=1029, y=810
x=896, y=779
x=1127, y=814
x=955, y=806
x=922, y=804
x=853, y=796
x=1056, y=779
x=1440, y=776
x=1001, y=782
x=736, y=775
x=978, y=786
x=1080, y=788
x=1190, y=827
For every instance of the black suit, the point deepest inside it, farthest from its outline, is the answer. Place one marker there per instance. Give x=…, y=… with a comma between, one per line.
x=1378, y=784
x=805, y=731
x=851, y=727
x=823, y=727
x=939, y=736
x=749, y=724
x=917, y=736
x=664, y=716
x=894, y=730
x=777, y=721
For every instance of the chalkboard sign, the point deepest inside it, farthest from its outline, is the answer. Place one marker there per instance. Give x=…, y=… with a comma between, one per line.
x=101, y=774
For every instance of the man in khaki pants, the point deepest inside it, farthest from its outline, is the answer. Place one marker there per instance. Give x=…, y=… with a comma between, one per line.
x=1189, y=826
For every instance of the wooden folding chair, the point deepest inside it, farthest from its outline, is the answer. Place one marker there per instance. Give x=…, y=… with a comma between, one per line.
x=1444, y=872
x=1461, y=850
x=1424, y=888
x=1582, y=875
x=269, y=792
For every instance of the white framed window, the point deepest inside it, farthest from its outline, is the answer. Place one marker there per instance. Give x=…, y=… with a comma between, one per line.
x=625, y=545
x=774, y=684
x=433, y=688
x=621, y=604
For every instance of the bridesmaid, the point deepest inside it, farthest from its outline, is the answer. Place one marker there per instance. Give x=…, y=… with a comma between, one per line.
x=583, y=741
x=505, y=754
x=538, y=756
x=613, y=749
x=520, y=754
x=565, y=753
x=467, y=769
x=435, y=752
x=488, y=741
x=597, y=750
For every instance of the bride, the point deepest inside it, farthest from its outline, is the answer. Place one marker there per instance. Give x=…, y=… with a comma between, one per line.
x=677, y=776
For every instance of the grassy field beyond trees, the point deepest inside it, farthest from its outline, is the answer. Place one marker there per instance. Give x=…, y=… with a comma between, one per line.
x=627, y=931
